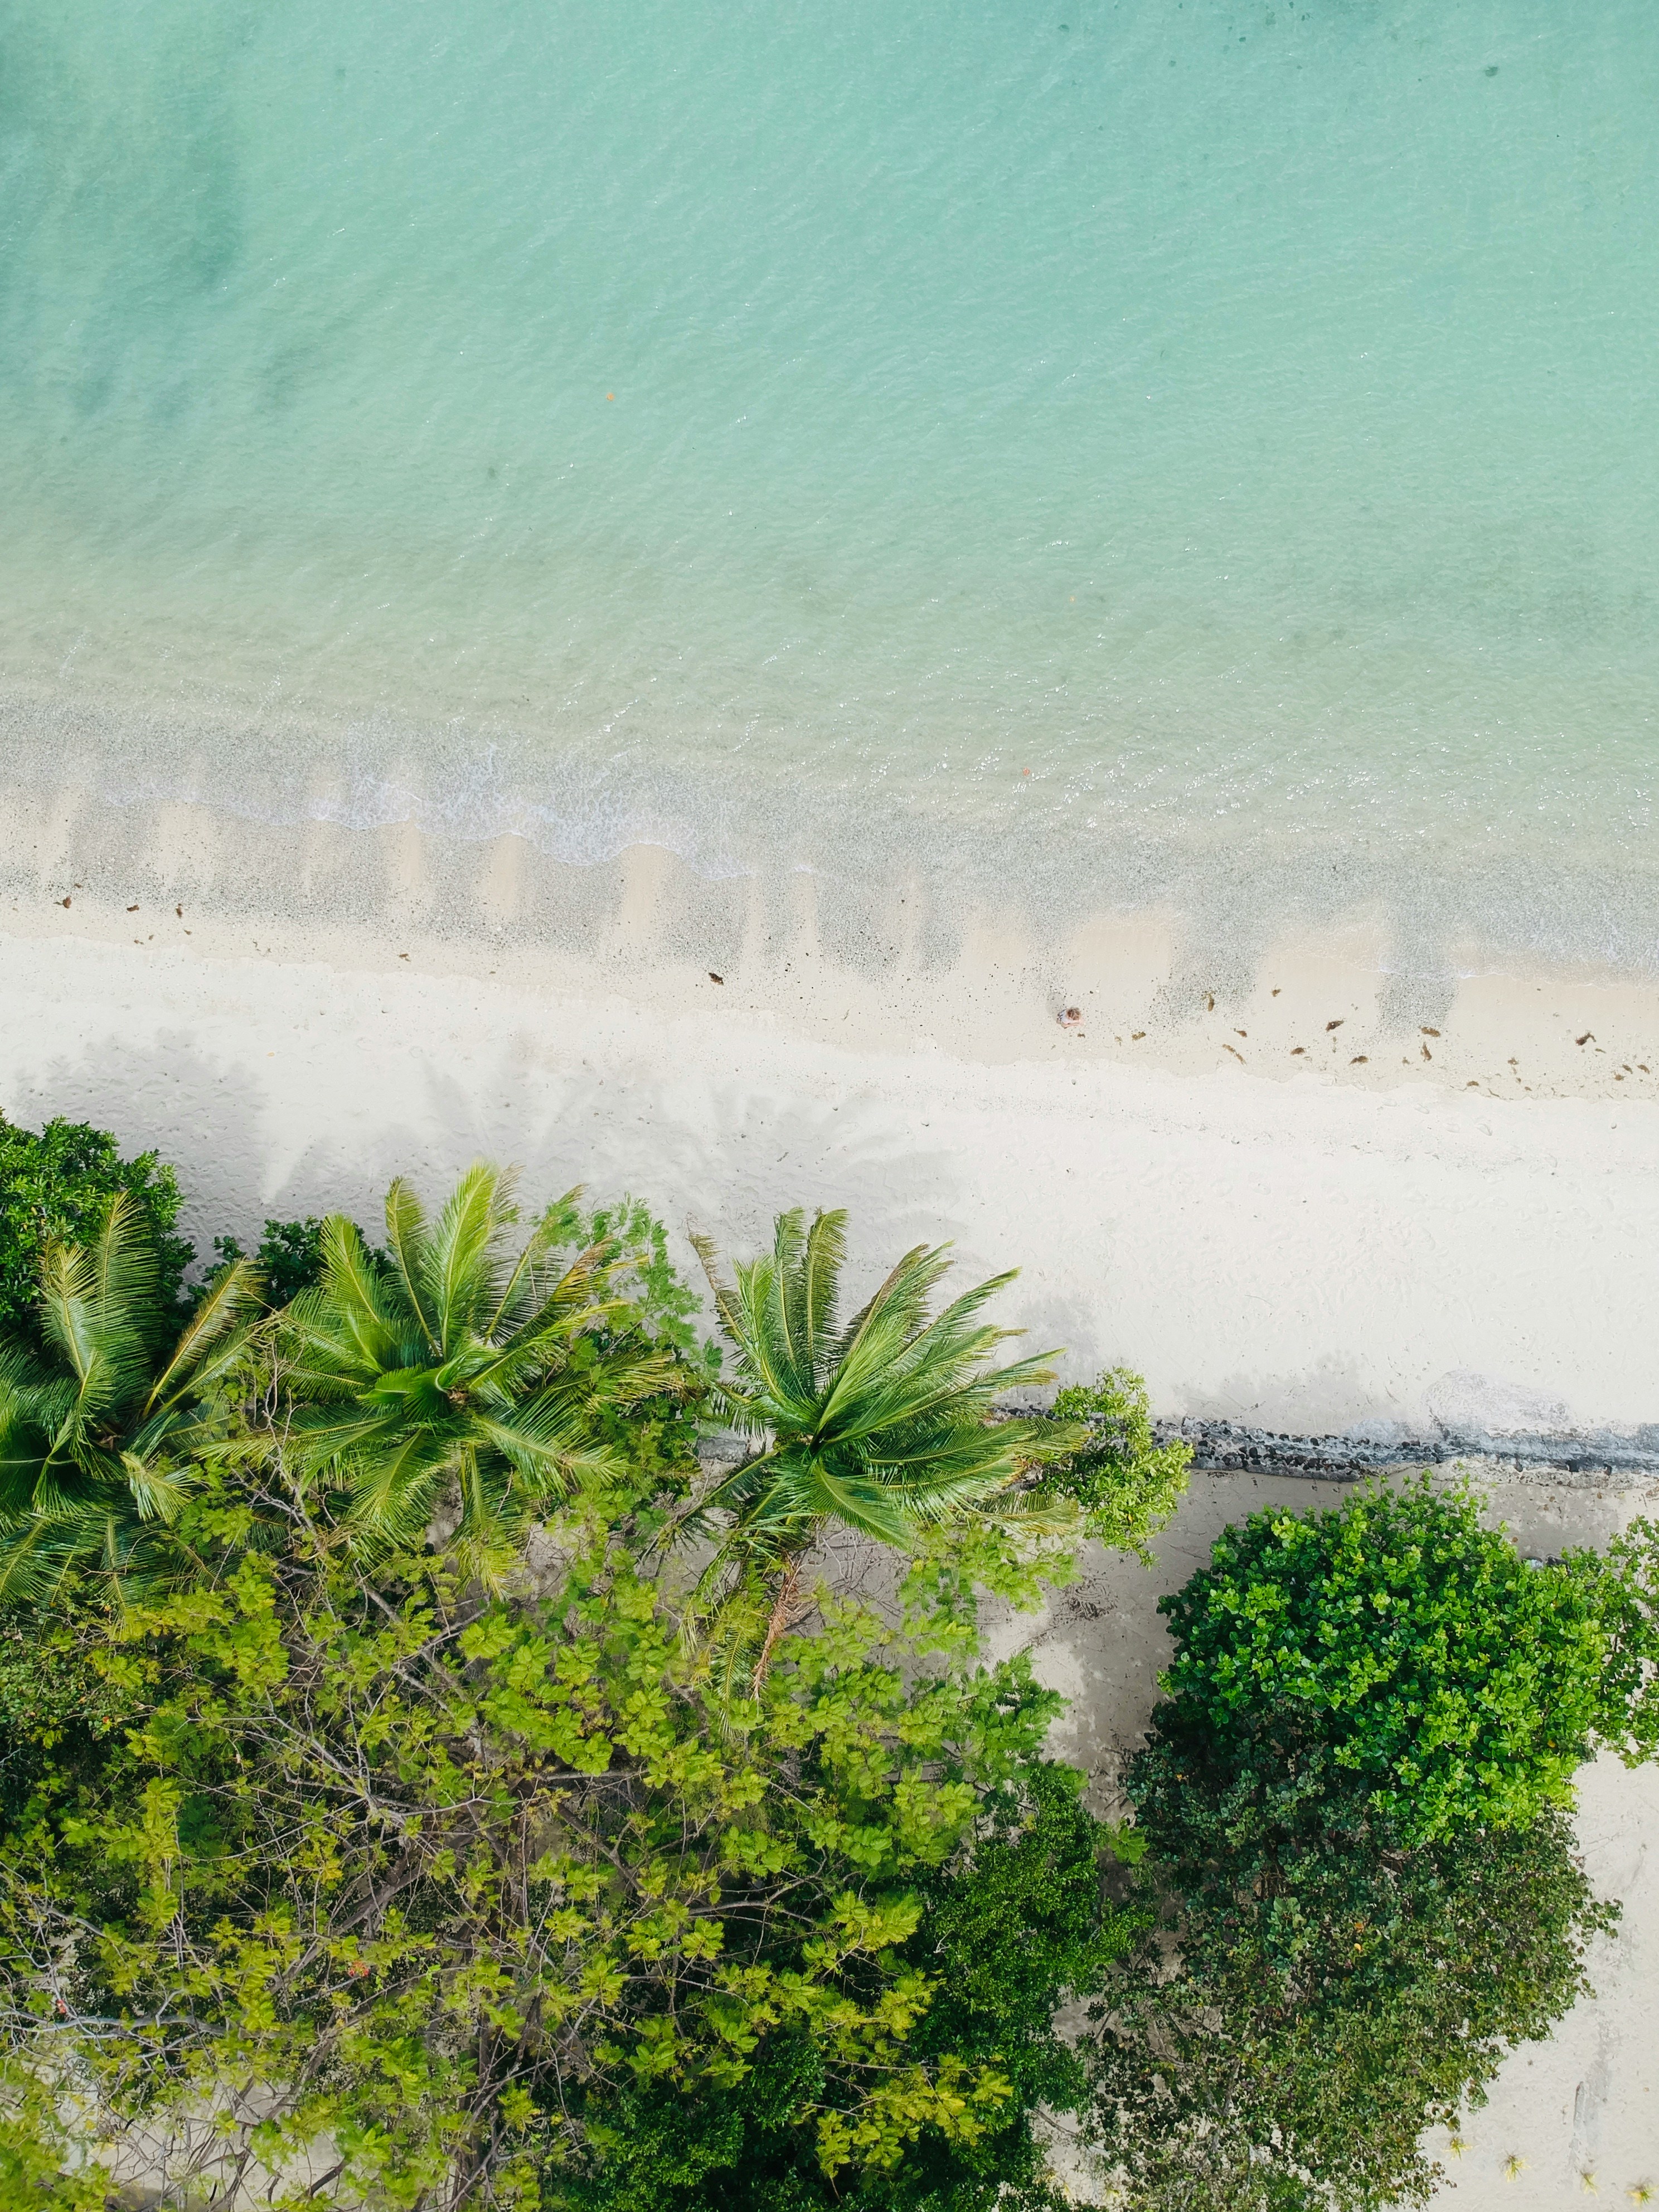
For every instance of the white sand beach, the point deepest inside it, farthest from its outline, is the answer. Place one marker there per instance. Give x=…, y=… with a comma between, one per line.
x=1446, y=1228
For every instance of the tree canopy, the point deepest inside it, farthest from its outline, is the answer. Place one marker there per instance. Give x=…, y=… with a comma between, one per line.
x=1353, y=1809
x=1405, y=1642
x=382, y=1825
x=465, y=1881
x=454, y=1376
x=882, y=1423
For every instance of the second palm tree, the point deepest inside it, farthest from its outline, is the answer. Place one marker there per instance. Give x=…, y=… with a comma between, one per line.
x=885, y=1424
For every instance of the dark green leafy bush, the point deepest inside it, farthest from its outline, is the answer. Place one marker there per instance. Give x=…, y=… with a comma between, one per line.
x=1314, y=2027
x=57, y=1712
x=1354, y=1806
x=1014, y=1926
x=289, y=1258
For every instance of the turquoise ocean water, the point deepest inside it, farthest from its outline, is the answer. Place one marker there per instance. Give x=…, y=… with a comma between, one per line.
x=772, y=430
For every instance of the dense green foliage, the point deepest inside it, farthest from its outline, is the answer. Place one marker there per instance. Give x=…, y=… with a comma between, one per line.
x=1353, y=1805
x=56, y=1186
x=1006, y=1935
x=101, y=1427
x=288, y=1259
x=57, y=1711
x=370, y=1782
x=1316, y=2026
x=453, y=1875
x=1624, y=1588
x=1402, y=1642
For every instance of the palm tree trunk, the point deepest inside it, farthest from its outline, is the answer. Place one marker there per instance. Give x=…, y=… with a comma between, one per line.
x=778, y=1626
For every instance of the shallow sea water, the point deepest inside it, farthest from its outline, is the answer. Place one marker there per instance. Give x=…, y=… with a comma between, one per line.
x=1094, y=454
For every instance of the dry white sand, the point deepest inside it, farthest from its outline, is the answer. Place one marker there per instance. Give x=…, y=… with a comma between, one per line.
x=1307, y=1252
x=1352, y=1236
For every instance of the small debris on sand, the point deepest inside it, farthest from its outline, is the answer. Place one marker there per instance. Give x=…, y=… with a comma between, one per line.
x=714, y=978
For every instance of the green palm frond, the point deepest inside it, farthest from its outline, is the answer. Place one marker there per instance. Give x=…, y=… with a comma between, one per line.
x=560, y=1225
x=406, y=1241
x=99, y=1430
x=356, y=1306
x=121, y=1270
x=726, y=1308
x=394, y=1490
x=98, y=1336
x=460, y=1261
x=212, y=1341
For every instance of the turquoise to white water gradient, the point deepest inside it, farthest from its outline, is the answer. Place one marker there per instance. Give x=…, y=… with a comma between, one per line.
x=770, y=429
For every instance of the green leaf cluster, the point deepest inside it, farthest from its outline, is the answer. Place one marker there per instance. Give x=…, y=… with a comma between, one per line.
x=381, y=1824
x=455, y=1877
x=288, y=1260
x=101, y=1427
x=880, y=1422
x=1010, y=1929
x=455, y=1374
x=57, y=1710
x=1315, y=2024
x=1125, y=1484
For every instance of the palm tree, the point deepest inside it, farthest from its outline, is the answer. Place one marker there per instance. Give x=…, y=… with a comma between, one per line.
x=883, y=1426
x=448, y=1379
x=98, y=1430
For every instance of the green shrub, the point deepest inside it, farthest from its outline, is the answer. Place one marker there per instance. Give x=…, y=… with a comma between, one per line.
x=57, y=1184
x=1624, y=1588
x=457, y=1877
x=1126, y=1483
x=57, y=1712
x=1396, y=1640
x=289, y=1258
